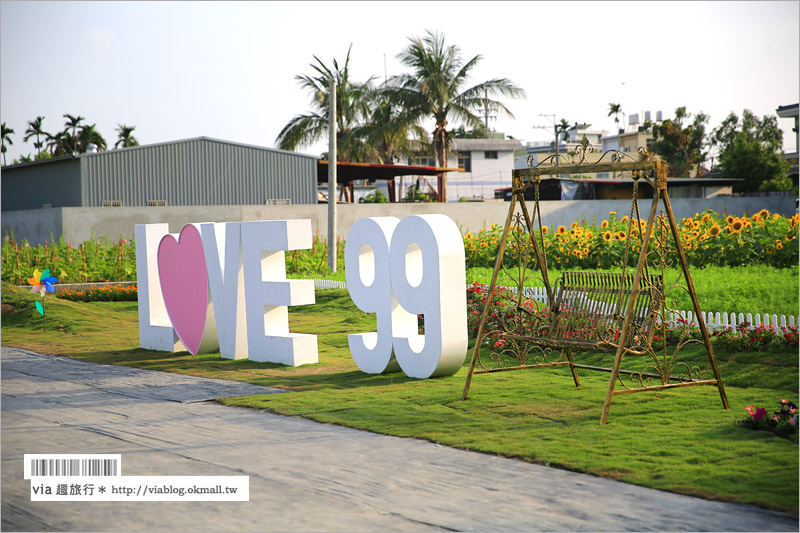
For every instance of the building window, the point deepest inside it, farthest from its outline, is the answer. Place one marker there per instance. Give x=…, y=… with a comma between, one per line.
x=422, y=161
x=156, y=203
x=465, y=161
x=491, y=154
x=112, y=203
x=47, y=206
x=650, y=142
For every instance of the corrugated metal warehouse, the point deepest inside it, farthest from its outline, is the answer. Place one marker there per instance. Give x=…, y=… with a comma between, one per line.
x=201, y=171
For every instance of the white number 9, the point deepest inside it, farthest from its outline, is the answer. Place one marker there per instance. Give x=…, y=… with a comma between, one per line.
x=400, y=270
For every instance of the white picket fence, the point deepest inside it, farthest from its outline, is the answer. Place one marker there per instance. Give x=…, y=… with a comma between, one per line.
x=713, y=320
x=329, y=284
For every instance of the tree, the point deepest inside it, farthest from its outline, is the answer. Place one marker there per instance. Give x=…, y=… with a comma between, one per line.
x=392, y=130
x=72, y=122
x=681, y=148
x=615, y=109
x=461, y=133
x=352, y=106
x=562, y=128
x=6, y=139
x=90, y=135
x=435, y=87
x=126, y=138
x=35, y=130
x=751, y=150
x=61, y=143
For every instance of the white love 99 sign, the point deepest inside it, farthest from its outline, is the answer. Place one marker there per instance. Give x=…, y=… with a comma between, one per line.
x=399, y=269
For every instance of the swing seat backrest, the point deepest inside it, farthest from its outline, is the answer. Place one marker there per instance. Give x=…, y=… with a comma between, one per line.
x=589, y=310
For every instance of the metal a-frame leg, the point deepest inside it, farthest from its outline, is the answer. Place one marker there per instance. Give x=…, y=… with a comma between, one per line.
x=629, y=311
x=492, y=285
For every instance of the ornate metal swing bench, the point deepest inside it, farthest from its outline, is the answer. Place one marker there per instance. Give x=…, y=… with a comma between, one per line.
x=603, y=312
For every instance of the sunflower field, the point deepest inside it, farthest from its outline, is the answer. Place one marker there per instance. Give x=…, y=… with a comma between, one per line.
x=708, y=239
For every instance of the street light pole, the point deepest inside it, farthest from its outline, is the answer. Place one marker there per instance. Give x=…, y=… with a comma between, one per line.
x=332, y=248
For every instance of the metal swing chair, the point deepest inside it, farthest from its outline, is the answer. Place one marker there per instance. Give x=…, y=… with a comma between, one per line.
x=599, y=312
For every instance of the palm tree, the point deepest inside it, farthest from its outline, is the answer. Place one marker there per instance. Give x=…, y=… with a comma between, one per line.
x=60, y=143
x=89, y=134
x=615, y=109
x=391, y=129
x=352, y=106
x=126, y=138
x=436, y=87
x=562, y=128
x=6, y=139
x=35, y=130
x=73, y=122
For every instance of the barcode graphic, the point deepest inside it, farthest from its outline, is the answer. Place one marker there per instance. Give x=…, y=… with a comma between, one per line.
x=74, y=467
x=58, y=465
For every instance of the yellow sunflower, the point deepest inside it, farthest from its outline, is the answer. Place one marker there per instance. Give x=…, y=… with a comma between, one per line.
x=779, y=245
x=714, y=230
x=729, y=220
x=621, y=235
x=545, y=230
x=776, y=216
x=624, y=219
x=607, y=236
x=604, y=224
x=737, y=225
x=612, y=213
x=562, y=230
x=705, y=218
x=763, y=213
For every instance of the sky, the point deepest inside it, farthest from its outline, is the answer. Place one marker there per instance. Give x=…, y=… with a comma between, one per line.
x=178, y=70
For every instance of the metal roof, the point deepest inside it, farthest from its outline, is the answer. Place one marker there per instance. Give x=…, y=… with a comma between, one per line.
x=154, y=145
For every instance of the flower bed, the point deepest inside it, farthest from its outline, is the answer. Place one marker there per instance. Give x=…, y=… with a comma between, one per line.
x=708, y=239
x=782, y=423
x=108, y=293
x=743, y=338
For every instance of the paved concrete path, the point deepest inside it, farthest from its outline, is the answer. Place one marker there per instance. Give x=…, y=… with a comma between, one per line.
x=304, y=476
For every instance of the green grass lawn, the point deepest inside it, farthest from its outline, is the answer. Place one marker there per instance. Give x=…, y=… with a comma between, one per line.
x=679, y=440
x=751, y=289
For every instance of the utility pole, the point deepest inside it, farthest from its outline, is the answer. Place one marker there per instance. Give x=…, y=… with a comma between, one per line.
x=555, y=128
x=332, y=248
x=486, y=115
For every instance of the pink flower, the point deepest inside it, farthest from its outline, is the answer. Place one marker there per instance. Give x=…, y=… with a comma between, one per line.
x=751, y=409
x=760, y=413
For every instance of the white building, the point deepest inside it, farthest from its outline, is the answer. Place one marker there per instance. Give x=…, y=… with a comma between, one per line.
x=487, y=165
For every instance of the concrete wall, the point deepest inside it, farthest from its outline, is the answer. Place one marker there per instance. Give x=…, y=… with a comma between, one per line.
x=36, y=225
x=79, y=223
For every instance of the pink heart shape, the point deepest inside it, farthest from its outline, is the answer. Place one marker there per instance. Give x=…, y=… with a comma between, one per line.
x=184, y=284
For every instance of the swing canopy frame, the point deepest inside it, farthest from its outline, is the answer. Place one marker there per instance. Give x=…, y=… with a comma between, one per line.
x=587, y=311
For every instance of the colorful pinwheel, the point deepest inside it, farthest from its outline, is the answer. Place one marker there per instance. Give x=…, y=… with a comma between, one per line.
x=42, y=282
